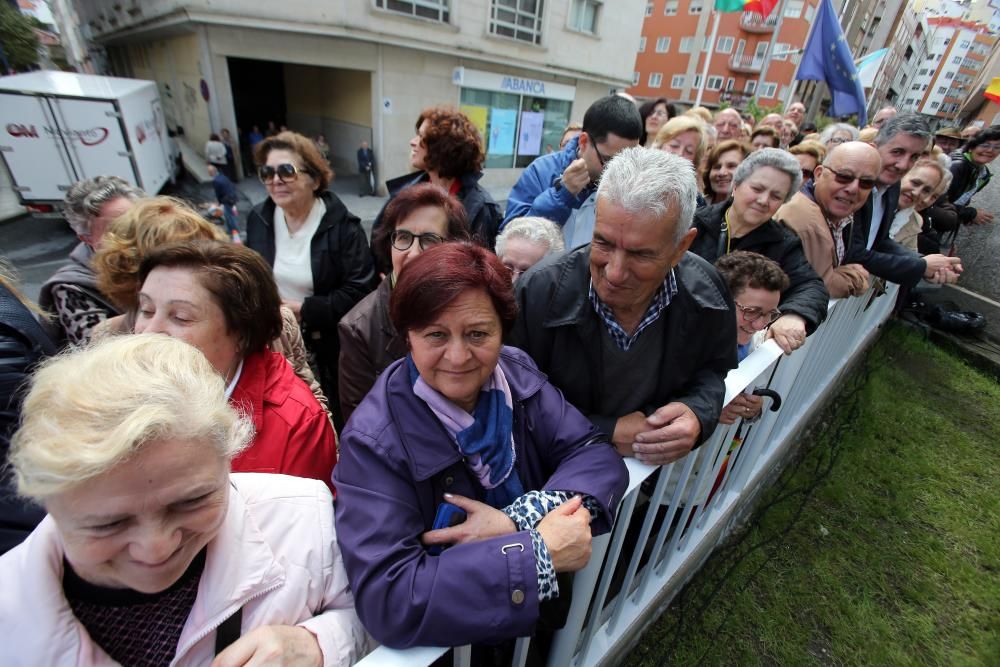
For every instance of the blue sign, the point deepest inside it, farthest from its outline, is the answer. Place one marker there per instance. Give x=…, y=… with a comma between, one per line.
x=518, y=85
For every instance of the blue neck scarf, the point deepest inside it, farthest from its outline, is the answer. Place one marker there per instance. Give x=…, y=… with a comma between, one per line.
x=484, y=438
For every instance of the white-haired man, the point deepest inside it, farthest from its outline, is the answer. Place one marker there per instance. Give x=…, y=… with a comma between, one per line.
x=637, y=332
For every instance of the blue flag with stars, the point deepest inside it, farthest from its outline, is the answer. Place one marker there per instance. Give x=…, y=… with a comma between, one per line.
x=828, y=58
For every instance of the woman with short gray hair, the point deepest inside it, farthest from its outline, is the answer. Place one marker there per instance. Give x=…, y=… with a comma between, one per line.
x=525, y=241
x=763, y=182
x=838, y=133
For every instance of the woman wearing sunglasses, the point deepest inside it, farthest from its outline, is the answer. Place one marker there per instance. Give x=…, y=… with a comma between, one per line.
x=763, y=182
x=315, y=246
x=416, y=219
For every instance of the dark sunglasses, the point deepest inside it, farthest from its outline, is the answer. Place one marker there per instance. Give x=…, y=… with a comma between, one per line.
x=402, y=240
x=847, y=179
x=286, y=172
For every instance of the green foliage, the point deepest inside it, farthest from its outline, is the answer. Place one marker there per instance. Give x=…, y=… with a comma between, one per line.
x=894, y=558
x=20, y=44
x=759, y=112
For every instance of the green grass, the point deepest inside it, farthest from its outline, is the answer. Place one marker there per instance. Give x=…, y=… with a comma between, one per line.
x=890, y=559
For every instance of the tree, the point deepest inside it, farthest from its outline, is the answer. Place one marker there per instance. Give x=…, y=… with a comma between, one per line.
x=17, y=38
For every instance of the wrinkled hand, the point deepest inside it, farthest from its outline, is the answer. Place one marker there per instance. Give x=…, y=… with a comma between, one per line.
x=744, y=406
x=626, y=428
x=576, y=176
x=982, y=217
x=482, y=522
x=672, y=432
x=944, y=277
x=936, y=263
x=789, y=332
x=295, y=307
x=859, y=278
x=272, y=645
x=566, y=533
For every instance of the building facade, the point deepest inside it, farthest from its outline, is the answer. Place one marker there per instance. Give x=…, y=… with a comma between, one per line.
x=753, y=57
x=362, y=70
x=957, y=54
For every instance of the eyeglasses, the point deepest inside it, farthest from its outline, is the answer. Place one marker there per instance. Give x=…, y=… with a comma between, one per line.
x=837, y=140
x=659, y=112
x=847, y=179
x=754, y=313
x=286, y=172
x=600, y=156
x=402, y=240
x=990, y=147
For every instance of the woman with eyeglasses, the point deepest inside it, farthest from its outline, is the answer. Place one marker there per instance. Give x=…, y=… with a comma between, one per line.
x=315, y=246
x=970, y=174
x=838, y=133
x=416, y=219
x=763, y=182
x=654, y=114
x=756, y=284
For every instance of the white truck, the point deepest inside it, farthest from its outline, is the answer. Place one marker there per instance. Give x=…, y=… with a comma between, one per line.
x=57, y=128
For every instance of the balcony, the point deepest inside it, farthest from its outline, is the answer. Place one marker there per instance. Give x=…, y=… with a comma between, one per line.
x=746, y=64
x=755, y=23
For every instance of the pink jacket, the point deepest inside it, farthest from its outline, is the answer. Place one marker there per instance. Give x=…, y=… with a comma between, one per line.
x=276, y=555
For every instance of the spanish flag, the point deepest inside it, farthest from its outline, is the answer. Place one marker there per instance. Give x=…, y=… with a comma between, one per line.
x=992, y=91
x=762, y=7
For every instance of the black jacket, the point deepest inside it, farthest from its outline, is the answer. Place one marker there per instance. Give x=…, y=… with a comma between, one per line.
x=558, y=327
x=886, y=259
x=483, y=213
x=342, y=267
x=806, y=295
x=963, y=178
x=23, y=343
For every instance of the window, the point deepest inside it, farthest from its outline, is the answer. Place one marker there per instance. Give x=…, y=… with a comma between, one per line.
x=694, y=7
x=768, y=90
x=924, y=87
x=642, y=44
x=942, y=90
x=916, y=86
x=957, y=60
x=714, y=83
x=810, y=13
x=793, y=9
x=750, y=87
x=725, y=45
x=949, y=75
x=780, y=51
x=635, y=78
x=517, y=19
x=649, y=9
x=670, y=8
x=964, y=44
x=935, y=105
x=922, y=72
x=662, y=44
x=583, y=16
x=697, y=81
x=655, y=79
x=436, y=10
x=686, y=44
x=677, y=81
x=731, y=83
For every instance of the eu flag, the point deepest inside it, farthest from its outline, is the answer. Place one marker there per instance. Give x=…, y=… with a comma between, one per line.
x=828, y=58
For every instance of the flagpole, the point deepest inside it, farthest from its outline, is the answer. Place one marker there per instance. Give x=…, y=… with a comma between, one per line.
x=708, y=59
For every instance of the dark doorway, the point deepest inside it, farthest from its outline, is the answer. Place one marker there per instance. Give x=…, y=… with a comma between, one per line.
x=258, y=92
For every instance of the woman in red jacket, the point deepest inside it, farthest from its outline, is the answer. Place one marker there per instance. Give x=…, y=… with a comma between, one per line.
x=222, y=299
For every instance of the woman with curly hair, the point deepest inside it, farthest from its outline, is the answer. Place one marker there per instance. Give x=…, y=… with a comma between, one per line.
x=448, y=151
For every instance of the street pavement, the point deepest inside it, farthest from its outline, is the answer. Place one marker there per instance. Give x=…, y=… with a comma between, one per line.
x=979, y=245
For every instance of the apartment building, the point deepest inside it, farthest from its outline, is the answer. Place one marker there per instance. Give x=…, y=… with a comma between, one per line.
x=752, y=56
x=908, y=46
x=363, y=69
x=957, y=54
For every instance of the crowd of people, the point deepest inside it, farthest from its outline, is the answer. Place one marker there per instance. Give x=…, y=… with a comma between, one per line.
x=297, y=447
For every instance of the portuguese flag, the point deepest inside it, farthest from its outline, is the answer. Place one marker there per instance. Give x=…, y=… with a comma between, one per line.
x=762, y=7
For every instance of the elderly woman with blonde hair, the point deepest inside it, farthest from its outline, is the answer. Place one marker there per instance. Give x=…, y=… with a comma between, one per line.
x=153, y=553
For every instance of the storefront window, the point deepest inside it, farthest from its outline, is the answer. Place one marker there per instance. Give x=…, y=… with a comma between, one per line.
x=515, y=128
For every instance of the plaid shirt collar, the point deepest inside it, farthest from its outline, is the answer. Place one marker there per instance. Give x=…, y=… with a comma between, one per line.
x=660, y=301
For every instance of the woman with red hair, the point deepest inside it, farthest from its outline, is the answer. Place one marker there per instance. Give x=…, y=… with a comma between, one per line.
x=466, y=482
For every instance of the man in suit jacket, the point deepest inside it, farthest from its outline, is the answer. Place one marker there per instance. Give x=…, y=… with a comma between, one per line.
x=900, y=143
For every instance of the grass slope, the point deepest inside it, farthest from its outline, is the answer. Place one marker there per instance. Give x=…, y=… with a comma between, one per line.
x=890, y=559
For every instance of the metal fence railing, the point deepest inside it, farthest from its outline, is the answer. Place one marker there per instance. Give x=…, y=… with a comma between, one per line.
x=672, y=517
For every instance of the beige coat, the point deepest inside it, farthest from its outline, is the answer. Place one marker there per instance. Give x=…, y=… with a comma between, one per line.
x=804, y=217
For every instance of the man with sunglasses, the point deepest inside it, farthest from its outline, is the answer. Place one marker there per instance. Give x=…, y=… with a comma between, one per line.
x=560, y=186
x=900, y=142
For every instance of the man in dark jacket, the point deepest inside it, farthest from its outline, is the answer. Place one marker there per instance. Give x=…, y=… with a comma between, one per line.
x=366, y=166
x=900, y=143
x=637, y=332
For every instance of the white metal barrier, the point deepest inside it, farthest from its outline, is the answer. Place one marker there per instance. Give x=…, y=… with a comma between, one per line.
x=693, y=501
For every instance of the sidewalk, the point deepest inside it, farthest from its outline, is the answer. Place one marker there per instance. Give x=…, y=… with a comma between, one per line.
x=980, y=348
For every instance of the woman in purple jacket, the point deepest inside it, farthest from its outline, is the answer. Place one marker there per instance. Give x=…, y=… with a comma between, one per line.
x=464, y=423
